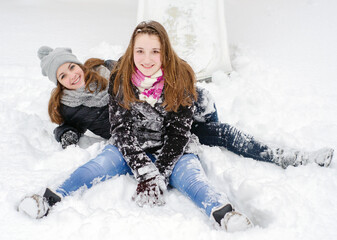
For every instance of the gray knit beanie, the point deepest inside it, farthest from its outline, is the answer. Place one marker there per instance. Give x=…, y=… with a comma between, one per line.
x=52, y=59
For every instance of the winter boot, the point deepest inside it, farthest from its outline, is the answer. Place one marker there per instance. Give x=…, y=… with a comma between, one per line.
x=286, y=158
x=37, y=206
x=231, y=220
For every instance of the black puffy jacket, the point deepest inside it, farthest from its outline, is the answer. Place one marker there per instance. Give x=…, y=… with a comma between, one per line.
x=82, y=118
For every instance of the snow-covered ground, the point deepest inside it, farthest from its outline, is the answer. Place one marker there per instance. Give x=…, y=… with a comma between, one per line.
x=282, y=91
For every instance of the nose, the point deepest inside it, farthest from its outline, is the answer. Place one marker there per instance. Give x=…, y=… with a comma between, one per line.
x=147, y=58
x=72, y=76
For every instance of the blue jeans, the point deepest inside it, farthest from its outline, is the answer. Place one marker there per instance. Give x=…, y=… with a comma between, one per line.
x=224, y=135
x=211, y=132
x=187, y=176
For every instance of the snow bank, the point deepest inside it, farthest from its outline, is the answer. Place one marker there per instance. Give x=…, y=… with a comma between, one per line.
x=295, y=108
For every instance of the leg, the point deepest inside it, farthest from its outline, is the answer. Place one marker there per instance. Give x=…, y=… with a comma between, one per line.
x=205, y=109
x=290, y=157
x=213, y=133
x=107, y=164
x=189, y=178
x=224, y=135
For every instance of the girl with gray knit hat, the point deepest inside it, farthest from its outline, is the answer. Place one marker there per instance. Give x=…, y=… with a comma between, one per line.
x=52, y=59
x=80, y=100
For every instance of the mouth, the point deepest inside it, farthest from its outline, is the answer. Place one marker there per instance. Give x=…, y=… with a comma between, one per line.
x=147, y=67
x=76, y=81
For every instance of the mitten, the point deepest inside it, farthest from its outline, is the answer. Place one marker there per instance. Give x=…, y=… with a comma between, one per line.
x=69, y=138
x=150, y=188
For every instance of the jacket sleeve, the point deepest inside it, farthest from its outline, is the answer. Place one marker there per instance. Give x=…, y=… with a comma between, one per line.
x=75, y=119
x=58, y=132
x=123, y=137
x=109, y=64
x=178, y=126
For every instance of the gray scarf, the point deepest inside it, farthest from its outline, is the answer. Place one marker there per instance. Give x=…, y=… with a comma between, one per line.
x=81, y=96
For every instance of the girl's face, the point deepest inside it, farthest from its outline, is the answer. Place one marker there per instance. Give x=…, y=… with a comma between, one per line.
x=146, y=54
x=70, y=75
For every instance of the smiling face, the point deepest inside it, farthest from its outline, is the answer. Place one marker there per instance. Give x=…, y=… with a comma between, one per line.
x=146, y=53
x=70, y=75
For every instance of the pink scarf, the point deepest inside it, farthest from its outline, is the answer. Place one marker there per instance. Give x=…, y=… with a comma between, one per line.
x=150, y=87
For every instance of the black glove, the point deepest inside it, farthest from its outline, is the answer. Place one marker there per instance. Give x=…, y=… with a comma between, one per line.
x=150, y=188
x=69, y=138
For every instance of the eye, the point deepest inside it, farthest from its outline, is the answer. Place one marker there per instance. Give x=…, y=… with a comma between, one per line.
x=139, y=51
x=72, y=66
x=156, y=51
x=61, y=77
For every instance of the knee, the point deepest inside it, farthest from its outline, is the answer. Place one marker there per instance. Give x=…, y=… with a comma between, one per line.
x=110, y=155
x=213, y=116
x=186, y=168
x=187, y=161
x=111, y=149
x=110, y=161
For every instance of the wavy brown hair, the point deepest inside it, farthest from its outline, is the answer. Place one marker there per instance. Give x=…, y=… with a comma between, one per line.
x=90, y=76
x=179, y=77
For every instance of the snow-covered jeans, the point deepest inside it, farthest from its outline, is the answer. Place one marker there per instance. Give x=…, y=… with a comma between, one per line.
x=225, y=135
x=187, y=176
x=211, y=132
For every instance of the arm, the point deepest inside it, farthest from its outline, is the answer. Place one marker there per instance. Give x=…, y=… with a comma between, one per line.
x=123, y=138
x=66, y=135
x=178, y=126
x=109, y=64
x=63, y=128
x=151, y=184
x=76, y=122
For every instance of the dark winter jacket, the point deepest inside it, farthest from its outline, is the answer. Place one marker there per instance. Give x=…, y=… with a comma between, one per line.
x=96, y=119
x=82, y=118
x=144, y=128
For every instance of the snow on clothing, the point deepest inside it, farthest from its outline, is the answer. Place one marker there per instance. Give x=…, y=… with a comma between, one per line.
x=144, y=128
x=187, y=176
x=146, y=133
x=205, y=126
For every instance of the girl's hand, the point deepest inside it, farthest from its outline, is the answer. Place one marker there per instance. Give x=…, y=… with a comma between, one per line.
x=69, y=138
x=150, y=192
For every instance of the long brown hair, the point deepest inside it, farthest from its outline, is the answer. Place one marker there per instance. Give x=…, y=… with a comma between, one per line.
x=90, y=76
x=179, y=84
